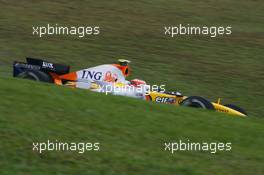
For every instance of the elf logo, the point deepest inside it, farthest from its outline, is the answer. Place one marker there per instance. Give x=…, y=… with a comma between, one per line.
x=47, y=65
x=92, y=75
x=164, y=100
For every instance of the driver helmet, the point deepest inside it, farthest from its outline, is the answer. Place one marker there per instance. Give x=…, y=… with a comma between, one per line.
x=123, y=66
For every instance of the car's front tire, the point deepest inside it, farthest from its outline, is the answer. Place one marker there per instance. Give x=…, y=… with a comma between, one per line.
x=197, y=102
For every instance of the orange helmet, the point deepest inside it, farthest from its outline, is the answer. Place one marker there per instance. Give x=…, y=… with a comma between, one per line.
x=123, y=66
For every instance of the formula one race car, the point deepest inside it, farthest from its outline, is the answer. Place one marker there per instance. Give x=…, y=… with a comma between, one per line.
x=111, y=78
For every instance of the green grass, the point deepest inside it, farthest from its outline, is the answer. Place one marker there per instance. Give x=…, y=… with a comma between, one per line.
x=131, y=133
x=230, y=67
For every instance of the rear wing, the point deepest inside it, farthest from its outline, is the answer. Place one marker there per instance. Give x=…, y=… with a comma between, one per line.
x=39, y=64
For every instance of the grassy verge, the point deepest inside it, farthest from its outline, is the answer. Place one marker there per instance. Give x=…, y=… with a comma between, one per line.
x=230, y=67
x=131, y=133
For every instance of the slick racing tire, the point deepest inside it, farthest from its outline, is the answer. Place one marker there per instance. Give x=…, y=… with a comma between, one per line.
x=35, y=75
x=197, y=102
x=232, y=106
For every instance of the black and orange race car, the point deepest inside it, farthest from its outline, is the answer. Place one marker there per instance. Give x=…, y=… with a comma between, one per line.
x=115, y=75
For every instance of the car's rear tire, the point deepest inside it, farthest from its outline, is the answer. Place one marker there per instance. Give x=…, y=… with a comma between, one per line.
x=197, y=102
x=35, y=75
x=235, y=107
